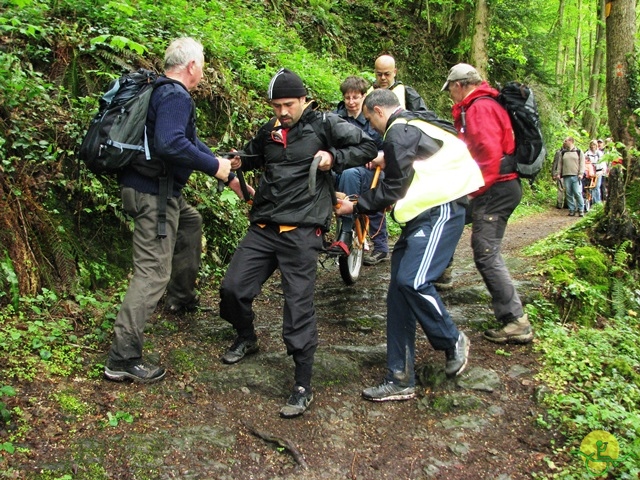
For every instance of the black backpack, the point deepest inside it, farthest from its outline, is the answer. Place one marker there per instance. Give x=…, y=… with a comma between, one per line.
x=519, y=102
x=117, y=132
x=117, y=136
x=527, y=159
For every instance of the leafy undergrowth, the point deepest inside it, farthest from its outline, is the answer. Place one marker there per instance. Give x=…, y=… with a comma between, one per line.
x=589, y=336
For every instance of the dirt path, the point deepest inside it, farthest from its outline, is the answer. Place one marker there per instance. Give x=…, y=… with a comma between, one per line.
x=209, y=420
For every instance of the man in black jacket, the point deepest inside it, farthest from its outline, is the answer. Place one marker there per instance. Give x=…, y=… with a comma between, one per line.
x=386, y=71
x=288, y=219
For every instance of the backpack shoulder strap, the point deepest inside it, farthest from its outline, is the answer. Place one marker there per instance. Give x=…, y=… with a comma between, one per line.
x=321, y=127
x=463, y=110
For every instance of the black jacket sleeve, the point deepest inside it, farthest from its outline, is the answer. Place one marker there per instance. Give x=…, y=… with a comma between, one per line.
x=349, y=145
x=403, y=144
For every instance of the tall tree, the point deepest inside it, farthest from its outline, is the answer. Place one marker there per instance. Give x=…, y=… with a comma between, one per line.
x=621, y=66
x=621, y=34
x=591, y=119
x=479, y=54
x=559, y=27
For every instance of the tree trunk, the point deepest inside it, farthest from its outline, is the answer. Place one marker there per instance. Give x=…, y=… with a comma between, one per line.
x=479, y=55
x=578, y=79
x=591, y=119
x=621, y=34
x=560, y=57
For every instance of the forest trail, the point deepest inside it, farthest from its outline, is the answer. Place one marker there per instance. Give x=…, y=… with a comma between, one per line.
x=207, y=420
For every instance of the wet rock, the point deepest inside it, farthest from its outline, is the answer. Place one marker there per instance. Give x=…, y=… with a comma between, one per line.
x=478, y=378
x=459, y=449
x=465, y=422
x=364, y=354
x=332, y=369
x=516, y=371
x=465, y=295
x=433, y=376
x=540, y=393
x=449, y=402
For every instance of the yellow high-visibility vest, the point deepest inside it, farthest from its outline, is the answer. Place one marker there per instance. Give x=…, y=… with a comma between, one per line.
x=445, y=176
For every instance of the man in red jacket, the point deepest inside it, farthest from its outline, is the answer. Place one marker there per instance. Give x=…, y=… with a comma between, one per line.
x=486, y=129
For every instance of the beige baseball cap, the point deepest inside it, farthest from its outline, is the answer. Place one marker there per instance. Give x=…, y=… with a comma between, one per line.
x=461, y=71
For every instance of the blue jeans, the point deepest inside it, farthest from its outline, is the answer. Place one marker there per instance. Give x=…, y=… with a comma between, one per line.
x=490, y=213
x=596, y=191
x=419, y=258
x=573, y=189
x=357, y=180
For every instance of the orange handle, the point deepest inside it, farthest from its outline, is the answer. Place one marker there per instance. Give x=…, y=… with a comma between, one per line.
x=376, y=176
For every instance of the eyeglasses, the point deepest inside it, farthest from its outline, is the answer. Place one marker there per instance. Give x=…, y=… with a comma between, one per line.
x=352, y=98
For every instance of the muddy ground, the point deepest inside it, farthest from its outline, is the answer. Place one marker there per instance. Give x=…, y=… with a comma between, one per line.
x=207, y=420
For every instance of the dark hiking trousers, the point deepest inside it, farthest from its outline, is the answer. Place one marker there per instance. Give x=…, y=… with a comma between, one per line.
x=490, y=212
x=295, y=253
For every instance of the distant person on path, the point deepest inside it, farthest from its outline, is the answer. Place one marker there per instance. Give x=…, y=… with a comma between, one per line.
x=355, y=181
x=593, y=156
x=428, y=176
x=287, y=222
x=171, y=262
x=571, y=169
x=602, y=171
x=561, y=201
x=485, y=127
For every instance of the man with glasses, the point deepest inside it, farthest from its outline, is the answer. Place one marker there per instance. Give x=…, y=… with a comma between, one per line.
x=358, y=180
x=287, y=222
x=386, y=71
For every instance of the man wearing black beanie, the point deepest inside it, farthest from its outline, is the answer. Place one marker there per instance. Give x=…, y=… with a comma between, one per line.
x=288, y=219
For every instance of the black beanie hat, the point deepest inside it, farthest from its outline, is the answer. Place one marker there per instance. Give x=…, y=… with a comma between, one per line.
x=286, y=84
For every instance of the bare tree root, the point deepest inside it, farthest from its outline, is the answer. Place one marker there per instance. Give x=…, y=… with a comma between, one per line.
x=282, y=442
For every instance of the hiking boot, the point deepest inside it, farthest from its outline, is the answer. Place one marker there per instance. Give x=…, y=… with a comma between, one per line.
x=375, y=258
x=517, y=331
x=445, y=281
x=136, y=370
x=179, y=308
x=457, y=357
x=297, y=403
x=342, y=245
x=239, y=349
x=581, y=214
x=387, y=391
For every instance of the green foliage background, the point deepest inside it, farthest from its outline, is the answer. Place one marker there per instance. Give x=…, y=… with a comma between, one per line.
x=65, y=243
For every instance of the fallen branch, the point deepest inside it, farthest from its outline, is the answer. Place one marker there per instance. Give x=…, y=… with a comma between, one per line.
x=283, y=442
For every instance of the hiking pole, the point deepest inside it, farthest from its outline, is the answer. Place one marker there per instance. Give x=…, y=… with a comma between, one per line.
x=313, y=171
x=243, y=187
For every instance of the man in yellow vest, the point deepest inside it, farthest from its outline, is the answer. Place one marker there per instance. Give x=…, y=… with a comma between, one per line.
x=429, y=172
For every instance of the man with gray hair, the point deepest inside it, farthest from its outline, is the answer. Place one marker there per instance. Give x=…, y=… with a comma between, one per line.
x=485, y=127
x=168, y=262
x=428, y=176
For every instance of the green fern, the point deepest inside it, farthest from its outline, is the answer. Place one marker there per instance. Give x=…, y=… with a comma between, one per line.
x=621, y=280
